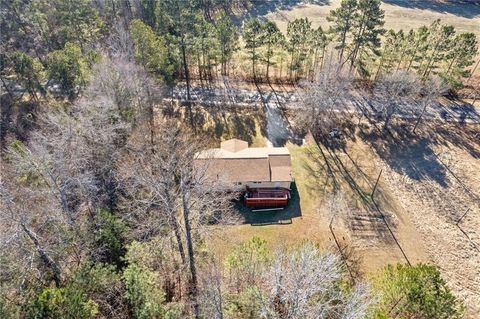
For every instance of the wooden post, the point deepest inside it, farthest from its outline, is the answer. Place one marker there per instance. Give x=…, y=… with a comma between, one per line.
x=330, y=226
x=466, y=235
x=376, y=183
x=464, y=214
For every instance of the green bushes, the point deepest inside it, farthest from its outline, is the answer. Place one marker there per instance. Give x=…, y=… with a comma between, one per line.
x=110, y=238
x=67, y=303
x=93, y=290
x=415, y=292
x=69, y=67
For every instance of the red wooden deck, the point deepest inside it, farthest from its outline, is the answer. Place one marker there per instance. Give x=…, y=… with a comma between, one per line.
x=267, y=197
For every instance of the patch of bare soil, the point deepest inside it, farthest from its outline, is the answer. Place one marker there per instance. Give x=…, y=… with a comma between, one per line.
x=436, y=184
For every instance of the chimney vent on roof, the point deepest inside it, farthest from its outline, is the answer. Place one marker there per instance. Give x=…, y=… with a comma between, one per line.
x=234, y=145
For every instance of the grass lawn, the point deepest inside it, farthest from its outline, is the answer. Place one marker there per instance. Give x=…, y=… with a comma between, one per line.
x=301, y=220
x=307, y=217
x=399, y=14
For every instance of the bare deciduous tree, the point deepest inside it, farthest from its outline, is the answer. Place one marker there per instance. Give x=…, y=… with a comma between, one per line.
x=34, y=234
x=171, y=187
x=325, y=97
x=211, y=290
x=66, y=170
x=303, y=283
x=392, y=91
x=431, y=90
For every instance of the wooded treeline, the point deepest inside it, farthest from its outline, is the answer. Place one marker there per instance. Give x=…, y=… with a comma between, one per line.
x=53, y=44
x=104, y=212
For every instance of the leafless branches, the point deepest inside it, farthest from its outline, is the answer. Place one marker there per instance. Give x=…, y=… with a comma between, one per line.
x=431, y=90
x=168, y=186
x=392, y=91
x=65, y=171
x=212, y=290
x=325, y=97
x=33, y=234
x=303, y=283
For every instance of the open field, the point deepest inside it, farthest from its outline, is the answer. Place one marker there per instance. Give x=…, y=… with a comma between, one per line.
x=399, y=14
x=231, y=159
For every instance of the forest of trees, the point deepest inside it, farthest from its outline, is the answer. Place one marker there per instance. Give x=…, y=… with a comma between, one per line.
x=55, y=43
x=103, y=211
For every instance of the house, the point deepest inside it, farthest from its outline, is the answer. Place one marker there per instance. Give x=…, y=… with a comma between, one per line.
x=263, y=173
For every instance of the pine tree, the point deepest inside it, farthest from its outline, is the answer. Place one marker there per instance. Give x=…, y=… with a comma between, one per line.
x=29, y=72
x=319, y=42
x=418, y=50
x=146, y=12
x=228, y=38
x=441, y=37
x=206, y=47
x=463, y=51
x=150, y=51
x=177, y=19
x=271, y=38
x=299, y=33
x=343, y=19
x=367, y=30
x=252, y=35
x=391, y=52
x=408, y=41
x=70, y=68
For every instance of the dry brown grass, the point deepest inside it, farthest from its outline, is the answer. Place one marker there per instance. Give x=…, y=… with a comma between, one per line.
x=418, y=194
x=371, y=241
x=311, y=225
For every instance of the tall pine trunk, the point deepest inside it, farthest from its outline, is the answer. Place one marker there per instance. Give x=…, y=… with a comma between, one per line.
x=268, y=62
x=414, y=54
x=342, y=47
x=193, y=291
x=183, y=48
x=254, y=61
x=430, y=61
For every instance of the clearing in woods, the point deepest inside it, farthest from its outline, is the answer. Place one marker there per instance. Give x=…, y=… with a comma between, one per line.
x=428, y=181
x=428, y=195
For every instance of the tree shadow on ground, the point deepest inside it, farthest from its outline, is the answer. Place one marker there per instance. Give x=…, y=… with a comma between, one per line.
x=370, y=226
x=408, y=154
x=227, y=123
x=274, y=217
x=243, y=127
x=457, y=125
x=463, y=112
x=466, y=137
x=262, y=8
x=463, y=8
x=277, y=128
